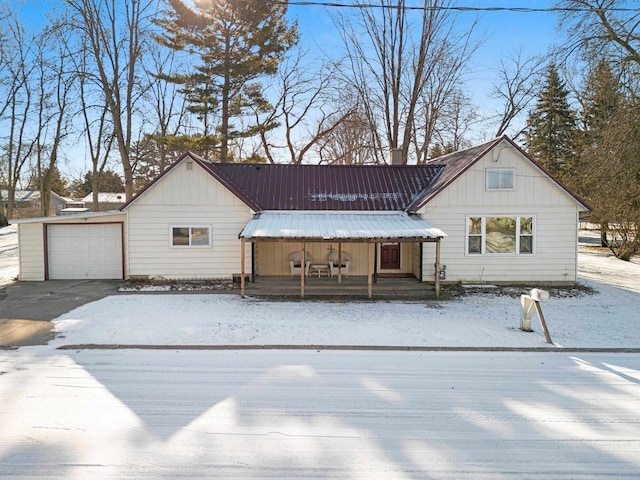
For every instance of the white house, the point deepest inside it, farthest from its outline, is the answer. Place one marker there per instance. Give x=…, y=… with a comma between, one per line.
x=489, y=213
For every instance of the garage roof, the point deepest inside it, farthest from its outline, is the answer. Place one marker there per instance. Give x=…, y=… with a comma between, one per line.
x=339, y=226
x=66, y=218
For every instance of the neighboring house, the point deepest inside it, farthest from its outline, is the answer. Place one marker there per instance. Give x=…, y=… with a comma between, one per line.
x=486, y=214
x=27, y=203
x=106, y=201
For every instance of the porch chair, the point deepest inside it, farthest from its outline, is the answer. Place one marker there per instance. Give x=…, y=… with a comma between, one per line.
x=333, y=263
x=295, y=263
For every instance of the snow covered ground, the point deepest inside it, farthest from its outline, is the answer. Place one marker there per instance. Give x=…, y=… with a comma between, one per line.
x=291, y=414
x=609, y=318
x=8, y=254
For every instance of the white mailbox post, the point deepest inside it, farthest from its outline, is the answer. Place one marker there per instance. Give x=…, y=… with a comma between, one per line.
x=530, y=304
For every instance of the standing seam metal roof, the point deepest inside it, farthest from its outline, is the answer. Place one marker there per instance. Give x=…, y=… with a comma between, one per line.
x=328, y=226
x=326, y=187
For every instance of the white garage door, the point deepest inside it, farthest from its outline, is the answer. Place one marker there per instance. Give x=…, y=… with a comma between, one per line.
x=84, y=251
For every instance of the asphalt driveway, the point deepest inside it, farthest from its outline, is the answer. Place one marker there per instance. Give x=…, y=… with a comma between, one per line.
x=27, y=308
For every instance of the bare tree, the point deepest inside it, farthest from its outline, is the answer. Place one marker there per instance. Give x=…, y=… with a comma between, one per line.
x=17, y=105
x=168, y=105
x=516, y=88
x=404, y=70
x=603, y=28
x=350, y=143
x=55, y=84
x=115, y=33
x=97, y=129
x=305, y=111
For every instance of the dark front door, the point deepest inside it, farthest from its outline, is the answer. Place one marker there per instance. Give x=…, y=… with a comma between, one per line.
x=390, y=256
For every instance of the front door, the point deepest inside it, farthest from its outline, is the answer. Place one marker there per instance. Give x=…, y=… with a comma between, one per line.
x=390, y=256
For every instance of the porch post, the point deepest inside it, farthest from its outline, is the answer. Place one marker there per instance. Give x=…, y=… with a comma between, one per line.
x=303, y=266
x=437, y=273
x=370, y=269
x=339, y=263
x=242, y=244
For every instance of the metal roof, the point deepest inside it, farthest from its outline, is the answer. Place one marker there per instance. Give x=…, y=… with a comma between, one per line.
x=338, y=226
x=326, y=187
x=107, y=197
x=65, y=218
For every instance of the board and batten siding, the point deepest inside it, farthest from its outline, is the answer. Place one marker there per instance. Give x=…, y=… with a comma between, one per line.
x=272, y=258
x=556, y=220
x=186, y=197
x=31, y=242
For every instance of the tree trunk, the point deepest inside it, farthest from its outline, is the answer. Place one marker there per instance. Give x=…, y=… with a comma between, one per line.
x=604, y=241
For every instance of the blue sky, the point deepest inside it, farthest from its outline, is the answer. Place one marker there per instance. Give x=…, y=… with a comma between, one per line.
x=504, y=34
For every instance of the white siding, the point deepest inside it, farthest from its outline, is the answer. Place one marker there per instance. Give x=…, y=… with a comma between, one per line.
x=186, y=197
x=556, y=214
x=31, y=242
x=31, y=251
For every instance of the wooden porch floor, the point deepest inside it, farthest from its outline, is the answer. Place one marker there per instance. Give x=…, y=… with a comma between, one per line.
x=353, y=287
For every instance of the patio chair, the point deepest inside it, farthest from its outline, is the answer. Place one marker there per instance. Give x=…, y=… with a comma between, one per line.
x=295, y=263
x=333, y=263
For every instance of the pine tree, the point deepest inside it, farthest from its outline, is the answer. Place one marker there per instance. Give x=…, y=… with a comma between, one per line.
x=602, y=98
x=609, y=167
x=551, y=127
x=237, y=42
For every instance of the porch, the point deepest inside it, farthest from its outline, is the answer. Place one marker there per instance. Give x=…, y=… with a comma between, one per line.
x=369, y=230
x=352, y=288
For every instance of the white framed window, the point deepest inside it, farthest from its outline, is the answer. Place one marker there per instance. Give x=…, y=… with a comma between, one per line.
x=194, y=236
x=500, y=178
x=500, y=235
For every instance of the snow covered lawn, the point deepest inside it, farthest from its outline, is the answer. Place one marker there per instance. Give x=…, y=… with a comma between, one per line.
x=8, y=254
x=609, y=318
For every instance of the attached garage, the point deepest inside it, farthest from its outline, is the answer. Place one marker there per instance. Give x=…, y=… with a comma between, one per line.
x=79, y=251
x=73, y=247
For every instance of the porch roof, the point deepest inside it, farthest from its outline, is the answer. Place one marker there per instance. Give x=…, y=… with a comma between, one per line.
x=334, y=226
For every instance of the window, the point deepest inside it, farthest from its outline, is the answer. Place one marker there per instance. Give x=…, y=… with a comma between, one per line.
x=500, y=178
x=190, y=236
x=500, y=235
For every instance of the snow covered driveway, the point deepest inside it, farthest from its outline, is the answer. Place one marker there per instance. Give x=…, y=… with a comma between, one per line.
x=348, y=415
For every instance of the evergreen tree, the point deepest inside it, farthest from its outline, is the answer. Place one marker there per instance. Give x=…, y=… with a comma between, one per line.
x=551, y=127
x=602, y=98
x=609, y=167
x=108, y=181
x=237, y=42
